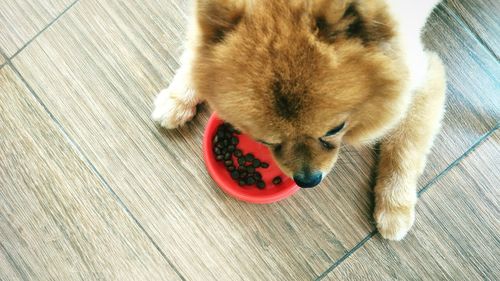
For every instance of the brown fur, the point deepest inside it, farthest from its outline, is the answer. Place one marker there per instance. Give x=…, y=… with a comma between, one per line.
x=276, y=77
x=288, y=71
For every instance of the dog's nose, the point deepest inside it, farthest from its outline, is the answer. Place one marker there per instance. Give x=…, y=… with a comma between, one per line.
x=307, y=180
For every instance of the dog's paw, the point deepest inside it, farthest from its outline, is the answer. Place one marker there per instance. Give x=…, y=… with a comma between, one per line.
x=173, y=109
x=393, y=223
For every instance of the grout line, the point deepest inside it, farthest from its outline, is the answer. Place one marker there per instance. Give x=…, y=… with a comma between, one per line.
x=420, y=193
x=458, y=16
x=347, y=255
x=458, y=160
x=77, y=148
x=45, y=28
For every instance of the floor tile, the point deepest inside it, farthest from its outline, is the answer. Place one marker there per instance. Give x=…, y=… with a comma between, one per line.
x=456, y=233
x=58, y=221
x=473, y=106
x=482, y=17
x=21, y=20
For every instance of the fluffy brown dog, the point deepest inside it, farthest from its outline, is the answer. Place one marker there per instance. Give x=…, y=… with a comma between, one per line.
x=304, y=76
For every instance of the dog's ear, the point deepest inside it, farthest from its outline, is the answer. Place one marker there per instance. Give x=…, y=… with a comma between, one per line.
x=217, y=18
x=351, y=19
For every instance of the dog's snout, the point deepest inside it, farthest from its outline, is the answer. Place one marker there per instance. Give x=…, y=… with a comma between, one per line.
x=308, y=179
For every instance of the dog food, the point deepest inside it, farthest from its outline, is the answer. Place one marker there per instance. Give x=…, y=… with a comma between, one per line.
x=277, y=180
x=242, y=167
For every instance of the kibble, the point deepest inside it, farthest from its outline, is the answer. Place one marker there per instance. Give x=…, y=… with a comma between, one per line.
x=250, y=169
x=241, y=161
x=261, y=185
x=250, y=181
x=238, y=153
x=277, y=180
x=242, y=167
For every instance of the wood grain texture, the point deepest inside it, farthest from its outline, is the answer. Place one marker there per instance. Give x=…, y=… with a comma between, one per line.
x=483, y=17
x=57, y=220
x=473, y=103
x=98, y=74
x=456, y=235
x=21, y=20
x=98, y=68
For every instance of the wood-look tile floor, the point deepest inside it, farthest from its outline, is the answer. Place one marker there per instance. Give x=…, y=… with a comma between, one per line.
x=91, y=189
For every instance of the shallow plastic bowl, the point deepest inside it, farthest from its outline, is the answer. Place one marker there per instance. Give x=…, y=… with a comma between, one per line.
x=272, y=193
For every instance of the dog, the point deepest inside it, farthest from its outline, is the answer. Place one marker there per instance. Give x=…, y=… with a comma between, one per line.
x=305, y=76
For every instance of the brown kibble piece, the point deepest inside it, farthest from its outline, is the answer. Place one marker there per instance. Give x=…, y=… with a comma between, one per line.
x=250, y=181
x=238, y=153
x=277, y=180
x=241, y=161
x=250, y=169
x=264, y=165
x=261, y=184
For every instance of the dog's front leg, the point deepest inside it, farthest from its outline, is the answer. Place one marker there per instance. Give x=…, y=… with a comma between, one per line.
x=176, y=105
x=404, y=153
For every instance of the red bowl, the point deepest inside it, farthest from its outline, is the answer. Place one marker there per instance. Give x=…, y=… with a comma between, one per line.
x=271, y=193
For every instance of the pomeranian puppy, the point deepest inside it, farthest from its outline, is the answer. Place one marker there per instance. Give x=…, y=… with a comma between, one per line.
x=305, y=76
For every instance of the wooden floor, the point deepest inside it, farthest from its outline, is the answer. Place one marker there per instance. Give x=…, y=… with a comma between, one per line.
x=91, y=189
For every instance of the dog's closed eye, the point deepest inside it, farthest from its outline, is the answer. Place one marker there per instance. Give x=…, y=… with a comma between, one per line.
x=326, y=144
x=335, y=130
x=275, y=146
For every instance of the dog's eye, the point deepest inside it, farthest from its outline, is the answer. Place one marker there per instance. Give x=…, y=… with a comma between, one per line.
x=335, y=130
x=277, y=148
x=327, y=145
x=265, y=142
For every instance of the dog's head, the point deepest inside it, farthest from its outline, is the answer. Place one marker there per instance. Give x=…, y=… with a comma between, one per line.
x=301, y=76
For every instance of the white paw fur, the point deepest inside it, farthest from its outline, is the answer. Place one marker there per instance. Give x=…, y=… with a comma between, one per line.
x=173, y=108
x=394, y=224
